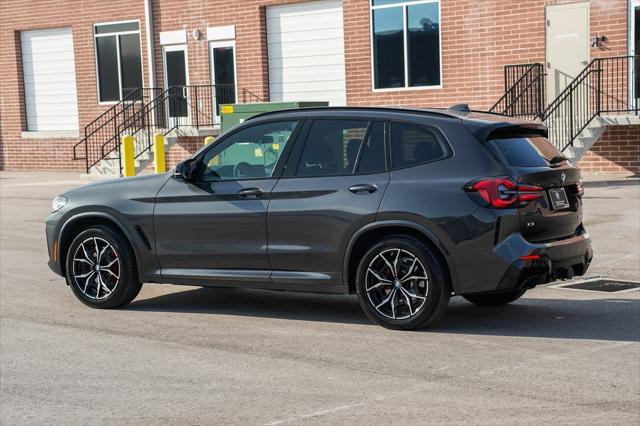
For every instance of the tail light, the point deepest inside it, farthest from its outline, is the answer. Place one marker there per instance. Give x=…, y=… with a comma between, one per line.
x=503, y=193
x=580, y=188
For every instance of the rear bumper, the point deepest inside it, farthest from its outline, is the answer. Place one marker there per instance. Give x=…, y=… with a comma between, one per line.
x=546, y=262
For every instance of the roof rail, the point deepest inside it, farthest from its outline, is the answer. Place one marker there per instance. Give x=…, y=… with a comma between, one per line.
x=433, y=111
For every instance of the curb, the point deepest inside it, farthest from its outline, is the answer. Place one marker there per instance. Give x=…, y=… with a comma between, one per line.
x=612, y=182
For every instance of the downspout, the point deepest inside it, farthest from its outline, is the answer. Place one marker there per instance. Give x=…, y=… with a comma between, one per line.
x=148, y=18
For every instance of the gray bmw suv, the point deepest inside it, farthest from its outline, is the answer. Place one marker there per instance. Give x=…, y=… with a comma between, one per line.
x=404, y=208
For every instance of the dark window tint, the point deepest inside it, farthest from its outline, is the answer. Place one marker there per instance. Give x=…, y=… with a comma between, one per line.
x=107, y=53
x=523, y=151
x=224, y=75
x=388, y=48
x=130, y=63
x=372, y=154
x=176, y=75
x=250, y=153
x=413, y=144
x=424, y=44
x=331, y=147
x=116, y=28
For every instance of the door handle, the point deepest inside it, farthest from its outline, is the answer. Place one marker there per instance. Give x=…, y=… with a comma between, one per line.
x=363, y=187
x=250, y=192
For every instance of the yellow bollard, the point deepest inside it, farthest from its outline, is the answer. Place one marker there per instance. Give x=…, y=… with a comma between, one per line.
x=128, y=164
x=158, y=153
x=208, y=140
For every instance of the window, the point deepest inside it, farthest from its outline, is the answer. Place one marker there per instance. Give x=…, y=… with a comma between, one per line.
x=406, y=43
x=533, y=151
x=250, y=153
x=412, y=144
x=118, y=59
x=335, y=147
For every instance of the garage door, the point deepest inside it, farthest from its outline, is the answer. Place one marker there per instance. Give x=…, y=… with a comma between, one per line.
x=49, y=80
x=306, y=52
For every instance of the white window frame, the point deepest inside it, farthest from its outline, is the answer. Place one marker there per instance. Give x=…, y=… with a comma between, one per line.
x=95, y=54
x=404, y=6
x=213, y=45
x=632, y=49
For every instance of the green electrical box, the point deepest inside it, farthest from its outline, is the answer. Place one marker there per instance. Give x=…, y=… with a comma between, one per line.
x=232, y=114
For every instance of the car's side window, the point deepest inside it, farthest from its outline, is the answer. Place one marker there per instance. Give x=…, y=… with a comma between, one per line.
x=331, y=147
x=412, y=144
x=372, y=158
x=250, y=153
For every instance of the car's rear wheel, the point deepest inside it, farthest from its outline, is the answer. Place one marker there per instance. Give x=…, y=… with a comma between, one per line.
x=401, y=284
x=497, y=299
x=101, y=268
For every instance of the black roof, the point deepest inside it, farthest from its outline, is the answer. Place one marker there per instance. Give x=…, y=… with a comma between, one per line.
x=481, y=123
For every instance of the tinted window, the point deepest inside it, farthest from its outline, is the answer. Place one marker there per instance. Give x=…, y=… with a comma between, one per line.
x=372, y=155
x=413, y=144
x=130, y=63
x=331, y=147
x=388, y=48
x=107, y=53
x=424, y=44
x=406, y=43
x=522, y=151
x=250, y=153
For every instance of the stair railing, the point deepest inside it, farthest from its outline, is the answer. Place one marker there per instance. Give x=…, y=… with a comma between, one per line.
x=605, y=85
x=102, y=135
x=524, y=94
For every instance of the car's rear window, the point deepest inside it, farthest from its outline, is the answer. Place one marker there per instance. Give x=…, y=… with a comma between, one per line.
x=521, y=151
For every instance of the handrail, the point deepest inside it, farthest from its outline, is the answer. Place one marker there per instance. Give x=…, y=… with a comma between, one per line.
x=605, y=85
x=522, y=101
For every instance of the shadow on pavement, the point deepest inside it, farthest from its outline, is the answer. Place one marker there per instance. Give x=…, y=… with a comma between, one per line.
x=600, y=319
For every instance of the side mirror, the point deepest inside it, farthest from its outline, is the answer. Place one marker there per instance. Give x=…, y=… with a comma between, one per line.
x=186, y=169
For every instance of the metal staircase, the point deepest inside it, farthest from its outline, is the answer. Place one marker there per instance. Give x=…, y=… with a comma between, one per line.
x=175, y=111
x=605, y=93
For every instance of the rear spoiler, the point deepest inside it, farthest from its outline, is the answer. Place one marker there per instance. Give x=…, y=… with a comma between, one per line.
x=502, y=129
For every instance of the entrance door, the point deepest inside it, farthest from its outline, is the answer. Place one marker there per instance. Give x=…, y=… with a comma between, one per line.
x=175, y=79
x=567, y=45
x=223, y=74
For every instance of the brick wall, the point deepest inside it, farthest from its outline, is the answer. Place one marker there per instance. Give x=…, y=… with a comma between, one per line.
x=478, y=39
x=617, y=152
x=52, y=154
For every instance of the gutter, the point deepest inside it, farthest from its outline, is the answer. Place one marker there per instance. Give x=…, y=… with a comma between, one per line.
x=148, y=19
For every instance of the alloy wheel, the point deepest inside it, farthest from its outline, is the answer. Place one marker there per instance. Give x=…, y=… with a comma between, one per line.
x=96, y=268
x=397, y=284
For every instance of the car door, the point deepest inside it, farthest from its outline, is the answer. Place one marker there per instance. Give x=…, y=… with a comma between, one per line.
x=215, y=225
x=333, y=185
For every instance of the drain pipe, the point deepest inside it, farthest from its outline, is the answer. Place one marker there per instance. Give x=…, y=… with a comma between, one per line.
x=148, y=18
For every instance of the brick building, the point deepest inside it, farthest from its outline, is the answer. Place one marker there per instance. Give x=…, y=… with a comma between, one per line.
x=64, y=64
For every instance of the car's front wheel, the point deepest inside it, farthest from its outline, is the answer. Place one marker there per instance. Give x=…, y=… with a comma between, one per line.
x=401, y=284
x=101, y=268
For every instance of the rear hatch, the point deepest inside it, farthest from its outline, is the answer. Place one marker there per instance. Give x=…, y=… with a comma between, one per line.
x=531, y=159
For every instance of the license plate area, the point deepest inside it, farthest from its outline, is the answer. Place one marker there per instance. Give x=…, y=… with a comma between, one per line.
x=559, y=200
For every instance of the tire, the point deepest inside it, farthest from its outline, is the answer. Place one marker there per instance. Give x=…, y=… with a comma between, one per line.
x=416, y=302
x=496, y=299
x=114, y=285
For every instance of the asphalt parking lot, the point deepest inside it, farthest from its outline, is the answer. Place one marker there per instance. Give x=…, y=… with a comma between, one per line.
x=186, y=355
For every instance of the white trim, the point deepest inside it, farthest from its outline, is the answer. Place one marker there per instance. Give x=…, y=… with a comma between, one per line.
x=148, y=32
x=213, y=45
x=173, y=37
x=50, y=134
x=227, y=32
x=401, y=3
x=405, y=45
x=95, y=55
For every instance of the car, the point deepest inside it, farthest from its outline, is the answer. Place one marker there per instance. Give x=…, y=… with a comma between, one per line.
x=405, y=208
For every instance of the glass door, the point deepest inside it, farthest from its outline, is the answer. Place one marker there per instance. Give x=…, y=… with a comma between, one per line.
x=223, y=74
x=175, y=79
